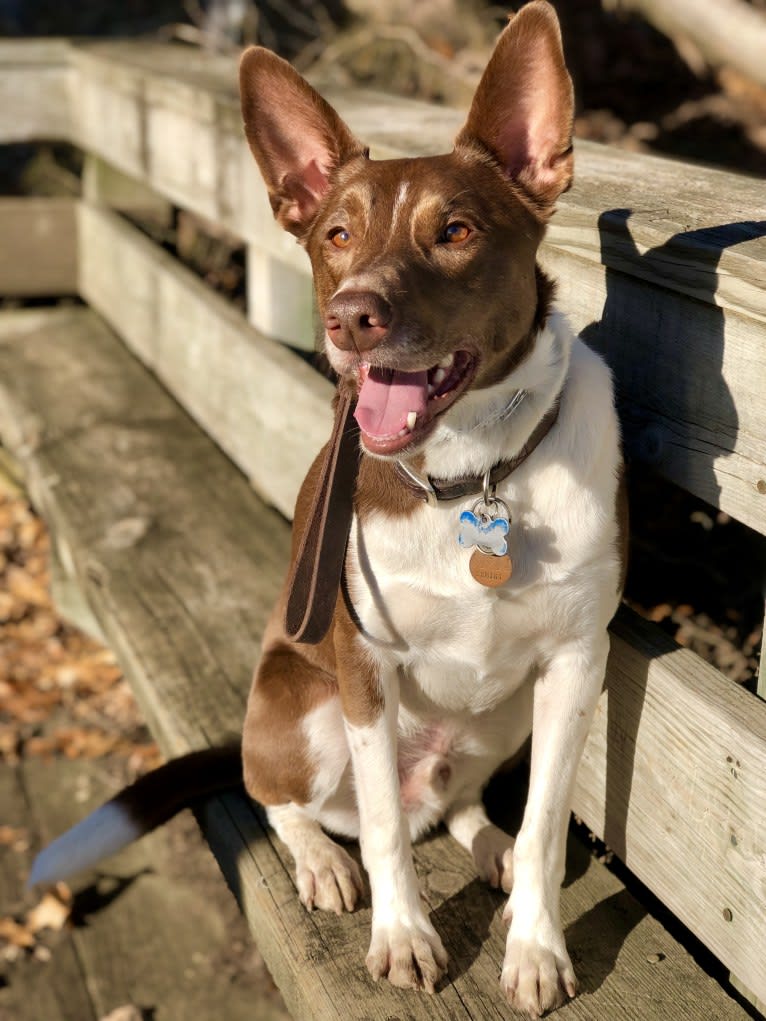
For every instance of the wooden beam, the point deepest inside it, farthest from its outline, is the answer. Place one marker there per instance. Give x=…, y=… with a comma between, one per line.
x=180, y=129
x=672, y=780
x=102, y=183
x=691, y=404
x=38, y=255
x=266, y=408
x=689, y=378
x=34, y=90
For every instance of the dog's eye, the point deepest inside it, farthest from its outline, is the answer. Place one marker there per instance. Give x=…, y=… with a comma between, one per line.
x=340, y=237
x=455, y=232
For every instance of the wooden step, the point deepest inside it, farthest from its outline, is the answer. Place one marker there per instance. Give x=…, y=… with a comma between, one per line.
x=180, y=561
x=131, y=940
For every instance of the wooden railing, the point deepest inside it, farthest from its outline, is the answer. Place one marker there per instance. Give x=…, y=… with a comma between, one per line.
x=661, y=264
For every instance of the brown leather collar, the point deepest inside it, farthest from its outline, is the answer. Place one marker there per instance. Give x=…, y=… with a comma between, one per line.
x=430, y=489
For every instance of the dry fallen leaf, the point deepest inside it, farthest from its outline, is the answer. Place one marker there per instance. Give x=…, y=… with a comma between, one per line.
x=15, y=933
x=14, y=836
x=53, y=910
x=127, y=1013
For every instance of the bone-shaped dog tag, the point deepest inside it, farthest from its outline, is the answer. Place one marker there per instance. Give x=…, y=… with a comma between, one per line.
x=486, y=526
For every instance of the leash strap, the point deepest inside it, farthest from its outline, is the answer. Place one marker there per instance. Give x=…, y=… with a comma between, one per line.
x=314, y=581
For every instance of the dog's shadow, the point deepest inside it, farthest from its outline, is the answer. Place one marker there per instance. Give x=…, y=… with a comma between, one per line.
x=469, y=917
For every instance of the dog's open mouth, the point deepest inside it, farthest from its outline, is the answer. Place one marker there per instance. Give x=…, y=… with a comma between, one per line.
x=396, y=408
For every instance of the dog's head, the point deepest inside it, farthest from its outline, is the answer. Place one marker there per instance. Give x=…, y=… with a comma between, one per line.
x=425, y=269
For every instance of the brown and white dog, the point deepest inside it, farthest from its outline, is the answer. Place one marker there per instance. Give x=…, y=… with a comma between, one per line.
x=440, y=321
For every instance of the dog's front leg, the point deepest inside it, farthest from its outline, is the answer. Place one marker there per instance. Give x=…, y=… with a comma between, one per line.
x=537, y=972
x=404, y=945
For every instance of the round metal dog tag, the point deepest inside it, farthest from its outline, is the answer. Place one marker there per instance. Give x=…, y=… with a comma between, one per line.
x=490, y=570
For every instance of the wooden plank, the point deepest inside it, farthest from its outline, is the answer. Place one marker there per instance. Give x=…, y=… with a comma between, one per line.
x=690, y=378
x=114, y=460
x=39, y=251
x=692, y=229
x=692, y=406
x=265, y=407
x=189, y=147
x=135, y=941
x=34, y=90
x=102, y=183
x=672, y=779
x=57, y=989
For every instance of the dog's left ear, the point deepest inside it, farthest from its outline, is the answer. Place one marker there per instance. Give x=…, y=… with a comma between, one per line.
x=298, y=140
x=524, y=106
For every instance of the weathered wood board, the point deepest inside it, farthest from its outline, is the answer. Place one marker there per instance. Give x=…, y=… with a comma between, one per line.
x=672, y=778
x=180, y=561
x=34, y=90
x=266, y=408
x=699, y=419
x=38, y=254
x=675, y=208
x=689, y=378
x=132, y=941
x=170, y=118
x=696, y=235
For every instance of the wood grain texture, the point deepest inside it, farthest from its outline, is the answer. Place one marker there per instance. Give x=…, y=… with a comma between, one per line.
x=180, y=561
x=695, y=230
x=689, y=378
x=672, y=779
x=56, y=990
x=265, y=407
x=38, y=255
x=34, y=90
x=132, y=941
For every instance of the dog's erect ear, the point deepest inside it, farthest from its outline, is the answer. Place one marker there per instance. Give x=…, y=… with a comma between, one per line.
x=523, y=108
x=296, y=137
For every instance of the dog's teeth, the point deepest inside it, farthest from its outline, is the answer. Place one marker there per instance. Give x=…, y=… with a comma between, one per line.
x=431, y=390
x=446, y=362
x=412, y=418
x=439, y=376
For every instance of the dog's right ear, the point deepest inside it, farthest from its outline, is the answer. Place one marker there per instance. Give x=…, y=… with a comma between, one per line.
x=298, y=140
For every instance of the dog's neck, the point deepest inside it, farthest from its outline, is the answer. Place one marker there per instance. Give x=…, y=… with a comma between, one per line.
x=478, y=432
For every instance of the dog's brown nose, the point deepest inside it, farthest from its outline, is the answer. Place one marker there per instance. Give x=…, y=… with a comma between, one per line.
x=358, y=320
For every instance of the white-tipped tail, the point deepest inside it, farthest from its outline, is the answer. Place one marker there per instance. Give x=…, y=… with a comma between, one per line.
x=103, y=832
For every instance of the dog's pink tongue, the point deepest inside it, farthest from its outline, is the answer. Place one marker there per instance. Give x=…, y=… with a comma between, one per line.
x=386, y=399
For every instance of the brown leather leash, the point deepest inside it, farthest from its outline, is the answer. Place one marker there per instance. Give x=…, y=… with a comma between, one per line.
x=315, y=578
x=314, y=581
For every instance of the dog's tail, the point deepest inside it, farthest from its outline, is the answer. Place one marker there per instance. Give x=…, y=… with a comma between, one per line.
x=138, y=809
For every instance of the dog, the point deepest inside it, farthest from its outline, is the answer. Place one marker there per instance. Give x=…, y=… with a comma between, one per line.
x=485, y=556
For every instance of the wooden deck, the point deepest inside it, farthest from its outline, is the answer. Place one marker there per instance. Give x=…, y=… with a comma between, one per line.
x=180, y=561
x=151, y=928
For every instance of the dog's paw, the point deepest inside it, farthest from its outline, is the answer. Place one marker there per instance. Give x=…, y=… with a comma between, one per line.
x=410, y=955
x=328, y=878
x=492, y=851
x=537, y=978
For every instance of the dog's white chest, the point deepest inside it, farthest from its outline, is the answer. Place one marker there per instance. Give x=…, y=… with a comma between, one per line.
x=467, y=647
